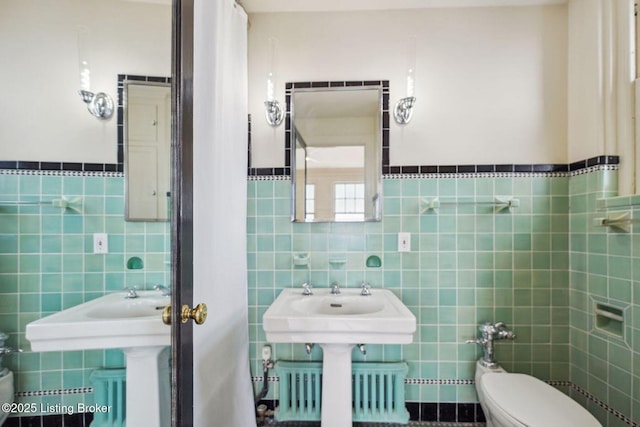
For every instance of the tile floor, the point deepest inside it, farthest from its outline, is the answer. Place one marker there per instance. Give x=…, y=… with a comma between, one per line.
x=411, y=424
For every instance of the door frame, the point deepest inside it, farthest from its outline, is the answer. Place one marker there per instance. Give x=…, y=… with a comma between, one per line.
x=182, y=212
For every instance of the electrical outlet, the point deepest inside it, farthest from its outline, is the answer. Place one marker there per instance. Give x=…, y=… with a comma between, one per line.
x=266, y=352
x=100, y=243
x=404, y=242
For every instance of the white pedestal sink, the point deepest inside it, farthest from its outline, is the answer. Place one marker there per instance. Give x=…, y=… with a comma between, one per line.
x=133, y=325
x=148, y=378
x=337, y=323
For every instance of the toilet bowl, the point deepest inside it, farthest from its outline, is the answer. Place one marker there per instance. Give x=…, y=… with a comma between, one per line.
x=519, y=400
x=6, y=377
x=6, y=391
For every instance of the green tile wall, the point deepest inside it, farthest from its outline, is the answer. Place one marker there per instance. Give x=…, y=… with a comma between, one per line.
x=539, y=268
x=605, y=268
x=47, y=264
x=469, y=264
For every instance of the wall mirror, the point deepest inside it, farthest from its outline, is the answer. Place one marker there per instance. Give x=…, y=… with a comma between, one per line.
x=337, y=133
x=147, y=148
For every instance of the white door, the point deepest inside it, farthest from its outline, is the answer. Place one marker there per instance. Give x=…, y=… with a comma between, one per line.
x=216, y=161
x=148, y=127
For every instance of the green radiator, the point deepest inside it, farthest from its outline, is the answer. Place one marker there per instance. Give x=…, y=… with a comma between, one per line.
x=109, y=388
x=377, y=391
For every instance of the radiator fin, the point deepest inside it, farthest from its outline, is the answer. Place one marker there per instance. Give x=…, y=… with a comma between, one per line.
x=109, y=387
x=378, y=391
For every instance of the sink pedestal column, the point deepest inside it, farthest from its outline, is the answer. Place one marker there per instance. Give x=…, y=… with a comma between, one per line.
x=148, y=388
x=336, y=385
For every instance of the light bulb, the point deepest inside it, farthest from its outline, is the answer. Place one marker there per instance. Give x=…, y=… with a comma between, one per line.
x=411, y=65
x=83, y=61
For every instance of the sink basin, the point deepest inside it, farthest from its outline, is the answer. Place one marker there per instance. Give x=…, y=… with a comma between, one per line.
x=146, y=305
x=337, y=304
x=131, y=324
x=347, y=317
x=111, y=321
x=337, y=323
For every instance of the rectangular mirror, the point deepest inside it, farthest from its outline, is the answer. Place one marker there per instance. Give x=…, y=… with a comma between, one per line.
x=147, y=144
x=337, y=165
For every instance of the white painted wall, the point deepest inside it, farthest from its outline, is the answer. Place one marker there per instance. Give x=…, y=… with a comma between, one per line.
x=41, y=115
x=601, y=99
x=586, y=109
x=491, y=83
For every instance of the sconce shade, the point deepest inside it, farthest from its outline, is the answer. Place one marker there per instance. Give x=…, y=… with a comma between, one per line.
x=273, y=110
x=99, y=104
x=403, y=110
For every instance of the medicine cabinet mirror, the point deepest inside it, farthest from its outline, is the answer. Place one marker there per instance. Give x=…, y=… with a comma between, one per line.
x=336, y=165
x=147, y=144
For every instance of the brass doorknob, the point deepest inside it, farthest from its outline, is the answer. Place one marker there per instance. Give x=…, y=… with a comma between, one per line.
x=198, y=314
x=166, y=315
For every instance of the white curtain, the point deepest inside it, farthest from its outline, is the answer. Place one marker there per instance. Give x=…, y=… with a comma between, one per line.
x=223, y=394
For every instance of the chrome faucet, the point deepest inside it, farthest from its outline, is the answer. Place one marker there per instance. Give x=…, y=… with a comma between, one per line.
x=309, y=347
x=165, y=290
x=306, y=289
x=131, y=292
x=366, y=289
x=335, y=288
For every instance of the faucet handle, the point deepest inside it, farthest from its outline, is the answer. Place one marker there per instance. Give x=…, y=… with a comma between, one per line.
x=166, y=291
x=306, y=288
x=131, y=291
x=335, y=288
x=366, y=289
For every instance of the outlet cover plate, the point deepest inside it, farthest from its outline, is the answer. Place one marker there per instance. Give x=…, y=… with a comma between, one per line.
x=404, y=242
x=100, y=243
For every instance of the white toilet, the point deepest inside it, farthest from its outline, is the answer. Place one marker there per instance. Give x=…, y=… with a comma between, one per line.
x=519, y=400
x=6, y=391
x=6, y=378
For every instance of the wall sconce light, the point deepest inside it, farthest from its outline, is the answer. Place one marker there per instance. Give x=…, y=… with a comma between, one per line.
x=273, y=110
x=99, y=104
x=403, y=110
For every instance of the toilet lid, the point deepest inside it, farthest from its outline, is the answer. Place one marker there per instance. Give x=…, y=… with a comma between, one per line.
x=533, y=402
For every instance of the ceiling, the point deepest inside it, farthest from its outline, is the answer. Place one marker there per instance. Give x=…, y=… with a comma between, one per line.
x=260, y=6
